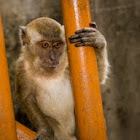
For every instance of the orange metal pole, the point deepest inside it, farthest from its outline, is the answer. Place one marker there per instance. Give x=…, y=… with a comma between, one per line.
x=83, y=66
x=24, y=133
x=7, y=120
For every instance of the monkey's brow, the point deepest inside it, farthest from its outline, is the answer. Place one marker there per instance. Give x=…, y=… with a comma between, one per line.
x=51, y=39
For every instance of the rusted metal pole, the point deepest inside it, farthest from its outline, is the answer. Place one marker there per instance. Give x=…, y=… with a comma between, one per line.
x=83, y=66
x=7, y=120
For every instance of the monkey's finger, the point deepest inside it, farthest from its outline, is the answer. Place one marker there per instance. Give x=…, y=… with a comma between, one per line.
x=80, y=35
x=84, y=44
x=87, y=29
x=76, y=36
x=94, y=25
x=83, y=39
x=75, y=40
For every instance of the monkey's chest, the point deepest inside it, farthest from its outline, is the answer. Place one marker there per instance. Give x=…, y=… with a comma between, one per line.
x=55, y=99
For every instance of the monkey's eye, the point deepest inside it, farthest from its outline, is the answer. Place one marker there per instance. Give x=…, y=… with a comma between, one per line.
x=45, y=45
x=57, y=45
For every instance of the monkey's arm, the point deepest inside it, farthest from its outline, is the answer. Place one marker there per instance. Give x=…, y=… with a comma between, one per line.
x=90, y=36
x=29, y=104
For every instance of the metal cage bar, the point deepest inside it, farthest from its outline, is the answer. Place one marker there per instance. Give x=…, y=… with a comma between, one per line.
x=8, y=126
x=7, y=120
x=84, y=72
x=24, y=133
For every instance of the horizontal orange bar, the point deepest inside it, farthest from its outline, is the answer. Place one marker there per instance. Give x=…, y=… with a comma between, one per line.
x=24, y=133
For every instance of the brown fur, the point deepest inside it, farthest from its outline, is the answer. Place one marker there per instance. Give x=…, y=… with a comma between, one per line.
x=45, y=28
x=43, y=86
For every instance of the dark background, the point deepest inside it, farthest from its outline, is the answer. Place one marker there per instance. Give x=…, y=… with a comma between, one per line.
x=119, y=21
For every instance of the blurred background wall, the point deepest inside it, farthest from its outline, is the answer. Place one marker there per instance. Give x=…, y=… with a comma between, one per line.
x=119, y=21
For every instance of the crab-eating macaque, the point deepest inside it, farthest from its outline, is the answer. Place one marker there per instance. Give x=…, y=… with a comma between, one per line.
x=43, y=86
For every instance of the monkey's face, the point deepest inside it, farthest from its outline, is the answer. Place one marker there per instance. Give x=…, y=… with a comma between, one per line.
x=47, y=54
x=50, y=52
x=45, y=43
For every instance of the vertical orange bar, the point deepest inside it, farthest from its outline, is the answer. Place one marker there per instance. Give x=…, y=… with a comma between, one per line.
x=83, y=66
x=7, y=121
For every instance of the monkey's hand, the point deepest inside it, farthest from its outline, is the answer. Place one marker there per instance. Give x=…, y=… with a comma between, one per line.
x=89, y=36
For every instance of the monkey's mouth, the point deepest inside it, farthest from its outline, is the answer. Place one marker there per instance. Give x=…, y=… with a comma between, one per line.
x=50, y=65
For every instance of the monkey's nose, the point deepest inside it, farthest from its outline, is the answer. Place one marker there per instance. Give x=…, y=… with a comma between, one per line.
x=52, y=55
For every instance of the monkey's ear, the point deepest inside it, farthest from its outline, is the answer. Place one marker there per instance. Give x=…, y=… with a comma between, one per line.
x=23, y=35
x=63, y=27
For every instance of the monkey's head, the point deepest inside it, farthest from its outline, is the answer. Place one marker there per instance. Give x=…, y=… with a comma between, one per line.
x=43, y=44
